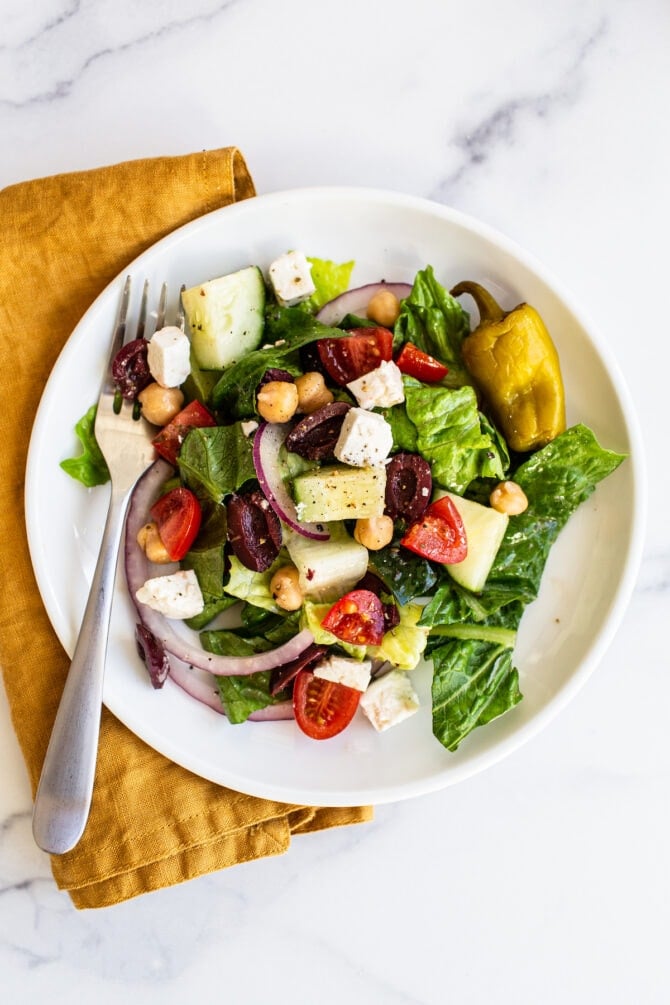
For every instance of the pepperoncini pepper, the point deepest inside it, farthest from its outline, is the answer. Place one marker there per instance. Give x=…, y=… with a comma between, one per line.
x=514, y=363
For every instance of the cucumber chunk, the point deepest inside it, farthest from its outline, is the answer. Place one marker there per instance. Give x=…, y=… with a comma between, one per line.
x=484, y=529
x=339, y=493
x=225, y=317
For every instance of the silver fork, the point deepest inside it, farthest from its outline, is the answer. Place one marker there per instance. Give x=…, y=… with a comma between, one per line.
x=65, y=790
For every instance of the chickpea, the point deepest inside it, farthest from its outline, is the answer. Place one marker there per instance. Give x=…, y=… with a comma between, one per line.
x=150, y=542
x=384, y=308
x=160, y=404
x=509, y=498
x=312, y=392
x=375, y=532
x=277, y=401
x=285, y=588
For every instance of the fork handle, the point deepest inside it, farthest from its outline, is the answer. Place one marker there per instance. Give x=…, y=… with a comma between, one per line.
x=65, y=790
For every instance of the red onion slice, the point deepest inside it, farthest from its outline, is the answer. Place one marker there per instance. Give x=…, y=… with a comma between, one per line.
x=267, y=442
x=138, y=571
x=202, y=687
x=356, y=301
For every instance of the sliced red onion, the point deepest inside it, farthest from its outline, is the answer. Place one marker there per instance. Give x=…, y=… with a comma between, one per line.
x=138, y=571
x=356, y=301
x=267, y=442
x=201, y=686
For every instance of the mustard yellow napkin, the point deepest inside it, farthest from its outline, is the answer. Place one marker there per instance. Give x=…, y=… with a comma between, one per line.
x=63, y=239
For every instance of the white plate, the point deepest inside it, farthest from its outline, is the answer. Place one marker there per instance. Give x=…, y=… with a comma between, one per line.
x=587, y=581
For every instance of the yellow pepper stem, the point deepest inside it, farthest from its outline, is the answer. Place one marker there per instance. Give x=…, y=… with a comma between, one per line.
x=489, y=309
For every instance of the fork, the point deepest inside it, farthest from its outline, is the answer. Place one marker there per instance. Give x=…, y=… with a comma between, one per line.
x=65, y=791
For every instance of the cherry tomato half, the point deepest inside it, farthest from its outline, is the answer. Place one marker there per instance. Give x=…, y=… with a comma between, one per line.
x=168, y=442
x=358, y=617
x=347, y=358
x=416, y=363
x=178, y=516
x=439, y=535
x=323, y=708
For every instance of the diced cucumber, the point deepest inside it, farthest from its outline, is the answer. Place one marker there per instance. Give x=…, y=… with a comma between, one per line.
x=339, y=492
x=328, y=569
x=225, y=317
x=484, y=528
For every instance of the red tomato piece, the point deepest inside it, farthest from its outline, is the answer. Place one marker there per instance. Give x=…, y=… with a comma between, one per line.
x=358, y=617
x=439, y=535
x=323, y=708
x=347, y=358
x=168, y=442
x=178, y=516
x=416, y=363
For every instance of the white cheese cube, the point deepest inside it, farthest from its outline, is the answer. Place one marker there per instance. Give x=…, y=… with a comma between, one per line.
x=389, y=700
x=380, y=388
x=291, y=278
x=339, y=669
x=169, y=356
x=365, y=439
x=176, y=596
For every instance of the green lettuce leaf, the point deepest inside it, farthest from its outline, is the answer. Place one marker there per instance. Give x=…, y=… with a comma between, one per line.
x=403, y=645
x=252, y=587
x=240, y=696
x=90, y=466
x=330, y=278
x=287, y=329
x=216, y=460
x=451, y=433
x=474, y=682
x=434, y=321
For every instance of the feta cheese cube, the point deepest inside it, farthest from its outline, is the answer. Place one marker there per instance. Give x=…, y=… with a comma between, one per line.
x=249, y=427
x=352, y=673
x=169, y=356
x=389, y=700
x=176, y=596
x=291, y=278
x=365, y=439
x=380, y=388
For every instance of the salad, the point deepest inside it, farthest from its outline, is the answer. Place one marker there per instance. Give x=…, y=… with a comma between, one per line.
x=348, y=482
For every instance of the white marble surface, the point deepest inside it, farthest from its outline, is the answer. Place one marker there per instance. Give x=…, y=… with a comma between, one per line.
x=545, y=879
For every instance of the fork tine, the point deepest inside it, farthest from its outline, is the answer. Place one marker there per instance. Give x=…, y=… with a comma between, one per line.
x=142, y=319
x=180, y=319
x=162, y=307
x=120, y=326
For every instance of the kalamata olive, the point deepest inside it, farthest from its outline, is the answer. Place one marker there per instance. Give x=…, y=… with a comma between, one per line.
x=274, y=373
x=391, y=613
x=254, y=531
x=130, y=368
x=282, y=676
x=153, y=653
x=315, y=436
x=409, y=484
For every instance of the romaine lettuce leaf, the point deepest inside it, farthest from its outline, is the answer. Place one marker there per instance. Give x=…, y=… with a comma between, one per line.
x=330, y=278
x=474, y=682
x=90, y=467
x=434, y=321
x=404, y=644
x=252, y=587
x=452, y=435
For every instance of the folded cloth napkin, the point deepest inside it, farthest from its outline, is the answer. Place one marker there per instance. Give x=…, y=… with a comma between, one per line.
x=63, y=239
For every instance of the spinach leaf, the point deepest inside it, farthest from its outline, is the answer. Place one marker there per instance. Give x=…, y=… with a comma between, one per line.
x=435, y=322
x=287, y=329
x=240, y=696
x=405, y=574
x=473, y=682
x=90, y=466
x=217, y=460
x=224, y=642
